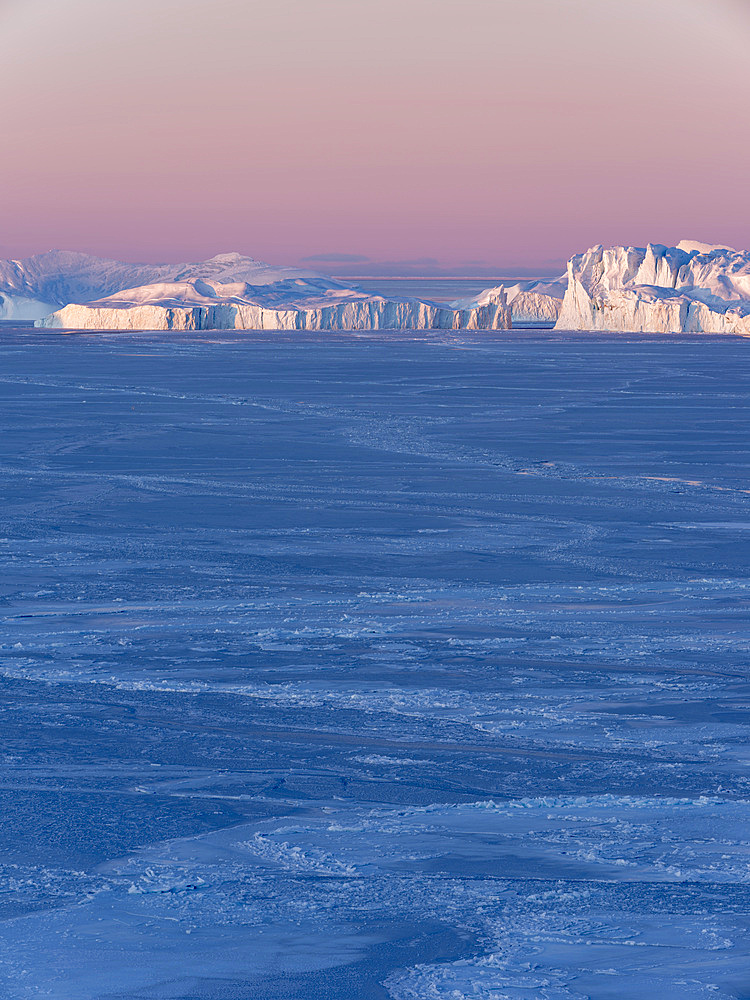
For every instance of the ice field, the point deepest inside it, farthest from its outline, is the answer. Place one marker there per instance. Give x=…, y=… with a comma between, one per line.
x=369, y=667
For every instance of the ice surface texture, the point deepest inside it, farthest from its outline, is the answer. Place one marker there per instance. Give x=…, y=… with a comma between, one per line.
x=354, y=667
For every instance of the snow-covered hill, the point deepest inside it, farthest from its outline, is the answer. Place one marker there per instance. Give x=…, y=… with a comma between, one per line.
x=690, y=288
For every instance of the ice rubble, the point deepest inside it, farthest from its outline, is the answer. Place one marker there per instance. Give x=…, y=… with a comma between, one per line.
x=690, y=288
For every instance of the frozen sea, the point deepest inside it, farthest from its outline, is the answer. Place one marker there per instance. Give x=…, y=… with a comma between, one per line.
x=367, y=667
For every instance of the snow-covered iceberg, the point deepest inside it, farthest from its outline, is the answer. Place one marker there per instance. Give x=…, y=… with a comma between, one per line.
x=64, y=289
x=531, y=302
x=203, y=305
x=690, y=288
x=534, y=302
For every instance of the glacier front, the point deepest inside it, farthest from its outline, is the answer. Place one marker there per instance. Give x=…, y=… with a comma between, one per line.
x=690, y=288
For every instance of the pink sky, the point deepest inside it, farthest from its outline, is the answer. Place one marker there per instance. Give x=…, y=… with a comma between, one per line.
x=508, y=132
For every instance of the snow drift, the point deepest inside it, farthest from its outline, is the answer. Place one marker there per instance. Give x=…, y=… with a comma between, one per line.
x=690, y=288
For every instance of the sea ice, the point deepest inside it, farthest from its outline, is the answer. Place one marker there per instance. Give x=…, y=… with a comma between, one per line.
x=374, y=666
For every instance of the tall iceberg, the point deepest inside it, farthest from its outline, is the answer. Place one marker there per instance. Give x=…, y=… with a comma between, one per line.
x=690, y=288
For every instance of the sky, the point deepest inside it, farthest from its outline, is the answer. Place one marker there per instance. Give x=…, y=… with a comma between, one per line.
x=365, y=135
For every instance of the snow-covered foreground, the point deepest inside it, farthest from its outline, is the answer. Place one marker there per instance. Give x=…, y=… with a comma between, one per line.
x=341, y=667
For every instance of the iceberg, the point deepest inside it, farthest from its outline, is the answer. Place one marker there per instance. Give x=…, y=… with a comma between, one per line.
x=690, y=288
x=64, y=289
x=201, y=305
x=531, y=302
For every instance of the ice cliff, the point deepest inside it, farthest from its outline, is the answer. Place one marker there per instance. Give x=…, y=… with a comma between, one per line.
x=690, y=288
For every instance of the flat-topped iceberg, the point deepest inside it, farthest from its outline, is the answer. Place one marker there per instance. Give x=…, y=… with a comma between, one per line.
x=690, y=288
x=63, y=289
x=201, y=305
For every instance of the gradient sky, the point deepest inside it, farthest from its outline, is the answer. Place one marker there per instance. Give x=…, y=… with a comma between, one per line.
x=508, y=132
